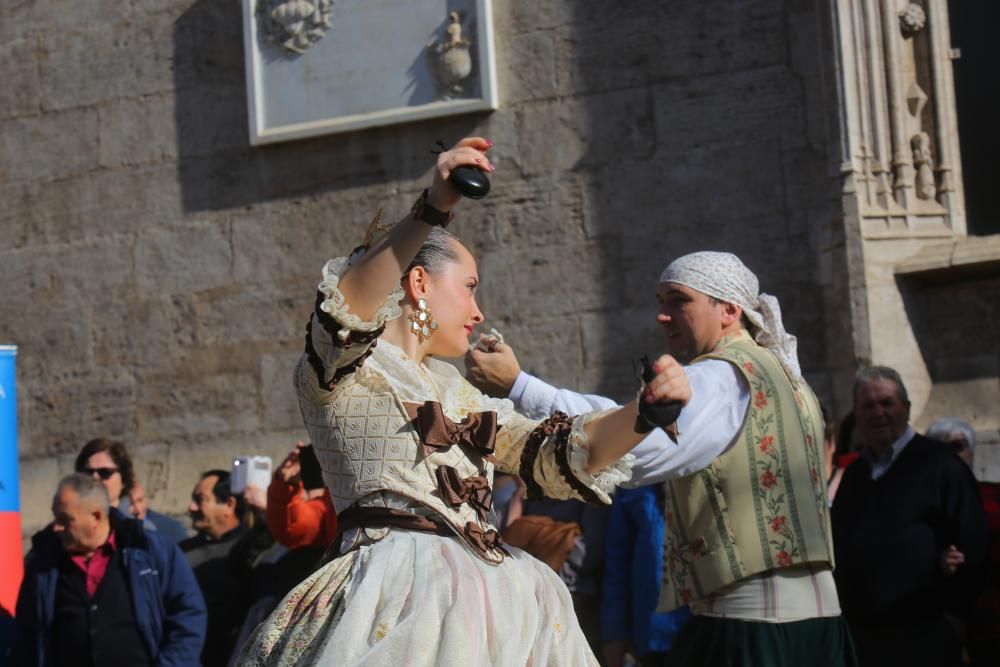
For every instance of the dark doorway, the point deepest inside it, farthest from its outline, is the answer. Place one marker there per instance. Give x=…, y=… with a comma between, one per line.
x=977, y=93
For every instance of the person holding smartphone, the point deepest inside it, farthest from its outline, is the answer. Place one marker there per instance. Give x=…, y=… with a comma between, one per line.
x=299, y=510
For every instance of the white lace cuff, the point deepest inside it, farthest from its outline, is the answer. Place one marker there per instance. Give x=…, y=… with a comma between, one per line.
x=603, y=482
x=554, y=462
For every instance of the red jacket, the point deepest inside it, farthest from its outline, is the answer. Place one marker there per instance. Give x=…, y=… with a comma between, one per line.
x=296, y=522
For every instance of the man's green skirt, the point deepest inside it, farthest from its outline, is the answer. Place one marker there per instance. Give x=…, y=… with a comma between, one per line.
x=724, y=642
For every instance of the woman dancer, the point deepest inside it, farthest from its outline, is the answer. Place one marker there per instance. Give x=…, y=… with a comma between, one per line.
x=408, y=449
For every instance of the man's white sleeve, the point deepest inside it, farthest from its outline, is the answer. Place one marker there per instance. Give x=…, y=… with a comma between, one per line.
x=537, y=400
x=707, y=427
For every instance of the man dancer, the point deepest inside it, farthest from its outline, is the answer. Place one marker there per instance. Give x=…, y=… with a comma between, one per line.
x=748, y=529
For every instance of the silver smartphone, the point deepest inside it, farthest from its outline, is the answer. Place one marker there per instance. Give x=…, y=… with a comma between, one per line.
x=248, y=470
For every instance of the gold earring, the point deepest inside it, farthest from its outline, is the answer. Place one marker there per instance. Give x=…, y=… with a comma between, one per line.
x=422, y=323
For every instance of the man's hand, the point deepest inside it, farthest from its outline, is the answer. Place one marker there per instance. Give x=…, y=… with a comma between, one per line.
x=670, y=384
x=492, y=372
x=951, y=558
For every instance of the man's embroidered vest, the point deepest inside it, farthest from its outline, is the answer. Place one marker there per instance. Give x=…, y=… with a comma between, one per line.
x=762, y=504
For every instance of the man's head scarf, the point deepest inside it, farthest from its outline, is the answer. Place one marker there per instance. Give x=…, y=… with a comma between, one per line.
x=722, y=275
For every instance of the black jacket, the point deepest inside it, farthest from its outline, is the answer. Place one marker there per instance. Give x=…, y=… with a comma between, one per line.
x=889, y=535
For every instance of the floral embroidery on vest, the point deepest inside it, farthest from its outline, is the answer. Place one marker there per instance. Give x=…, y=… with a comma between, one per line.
x=773, y=498
x=813, y=456
x=677, y=557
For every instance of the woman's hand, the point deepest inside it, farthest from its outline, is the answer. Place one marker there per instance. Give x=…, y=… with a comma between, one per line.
x=256, y=497
x=670, y=384
x=470, y=152
x=614, y=435
x=289, y=470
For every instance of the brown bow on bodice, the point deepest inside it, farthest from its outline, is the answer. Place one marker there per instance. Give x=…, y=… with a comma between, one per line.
x=473, y=490
x=484, y=540
x=437, y=432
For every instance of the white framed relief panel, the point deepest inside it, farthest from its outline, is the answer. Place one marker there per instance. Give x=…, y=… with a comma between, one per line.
x=323, y=66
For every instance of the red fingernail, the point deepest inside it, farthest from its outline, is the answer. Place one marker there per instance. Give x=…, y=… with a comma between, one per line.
x=492, y=168
x=490, y=143
x=656, y=368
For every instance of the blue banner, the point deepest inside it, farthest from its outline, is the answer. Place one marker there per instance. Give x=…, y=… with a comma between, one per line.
x=10, y=498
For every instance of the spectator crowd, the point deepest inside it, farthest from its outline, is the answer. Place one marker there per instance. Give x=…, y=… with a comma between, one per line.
x=111, y=581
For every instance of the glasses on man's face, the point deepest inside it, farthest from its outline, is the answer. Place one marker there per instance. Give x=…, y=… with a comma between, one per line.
x=103, y=473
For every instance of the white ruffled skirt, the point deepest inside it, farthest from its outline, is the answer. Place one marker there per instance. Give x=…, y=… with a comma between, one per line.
x=419, y=599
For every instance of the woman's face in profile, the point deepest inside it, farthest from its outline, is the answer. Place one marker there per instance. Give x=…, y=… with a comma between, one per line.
x=451, y=298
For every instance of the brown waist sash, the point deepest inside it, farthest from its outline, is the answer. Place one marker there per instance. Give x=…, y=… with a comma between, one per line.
x=387, y=517
x=379, y=517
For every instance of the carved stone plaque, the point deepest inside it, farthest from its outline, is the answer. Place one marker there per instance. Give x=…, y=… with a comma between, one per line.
x=322, y=66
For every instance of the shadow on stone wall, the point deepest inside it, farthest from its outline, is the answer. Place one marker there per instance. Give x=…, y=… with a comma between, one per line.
x=956, y=321
x=704, y=133
x=217, y=167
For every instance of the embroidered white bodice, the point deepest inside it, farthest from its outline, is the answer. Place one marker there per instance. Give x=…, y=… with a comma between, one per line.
x=357, y=395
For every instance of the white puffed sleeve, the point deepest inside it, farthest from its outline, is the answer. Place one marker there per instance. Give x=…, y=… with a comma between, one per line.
x=337, y=340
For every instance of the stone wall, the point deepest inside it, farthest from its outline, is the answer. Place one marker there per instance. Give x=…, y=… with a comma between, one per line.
x=158, y=271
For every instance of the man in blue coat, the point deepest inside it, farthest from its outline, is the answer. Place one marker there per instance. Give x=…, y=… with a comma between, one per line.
x=633, y=570
x=100, y=591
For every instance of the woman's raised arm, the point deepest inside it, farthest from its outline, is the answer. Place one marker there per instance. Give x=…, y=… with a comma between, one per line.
x=367, y=283
x=615, y=434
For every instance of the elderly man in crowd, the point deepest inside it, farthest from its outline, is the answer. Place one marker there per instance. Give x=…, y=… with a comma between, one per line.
x=217, y=518
x=748, y=542
x=225, y=550
x=910, y=535
x=98, y=590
